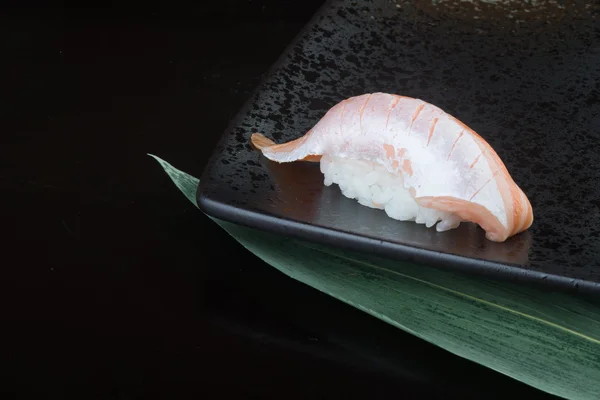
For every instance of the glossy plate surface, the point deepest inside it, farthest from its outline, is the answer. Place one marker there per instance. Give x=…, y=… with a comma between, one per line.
x=526, y=79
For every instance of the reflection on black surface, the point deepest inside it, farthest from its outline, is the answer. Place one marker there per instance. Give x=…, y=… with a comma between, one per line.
x=331, y=333
x=466, y=240
x=302, y=197
x=297, y=196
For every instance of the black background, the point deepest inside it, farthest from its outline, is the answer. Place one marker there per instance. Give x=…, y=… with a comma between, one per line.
x=113, y=284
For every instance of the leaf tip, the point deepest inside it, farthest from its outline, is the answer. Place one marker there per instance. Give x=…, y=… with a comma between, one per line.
x=186, y=183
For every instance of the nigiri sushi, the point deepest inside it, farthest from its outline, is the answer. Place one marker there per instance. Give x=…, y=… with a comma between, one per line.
x=413, y=160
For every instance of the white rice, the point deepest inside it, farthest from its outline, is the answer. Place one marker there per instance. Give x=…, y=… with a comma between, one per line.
x=373, y=186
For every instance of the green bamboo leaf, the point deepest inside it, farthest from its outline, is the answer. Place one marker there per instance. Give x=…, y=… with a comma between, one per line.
x=550, y=341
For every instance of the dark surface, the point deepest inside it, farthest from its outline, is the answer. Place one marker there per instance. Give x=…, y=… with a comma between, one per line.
x=112, y=284
x=528, y=81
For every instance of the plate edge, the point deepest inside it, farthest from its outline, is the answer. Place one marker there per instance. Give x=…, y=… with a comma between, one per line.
x=399, y=252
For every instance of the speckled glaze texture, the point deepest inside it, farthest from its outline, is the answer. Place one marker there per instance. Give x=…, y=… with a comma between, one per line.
x=526, y=78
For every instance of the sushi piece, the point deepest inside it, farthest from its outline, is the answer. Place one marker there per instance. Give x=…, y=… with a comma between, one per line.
x=413, y=160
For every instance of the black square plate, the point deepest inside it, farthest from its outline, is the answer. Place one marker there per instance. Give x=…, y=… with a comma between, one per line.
x=525, y=78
